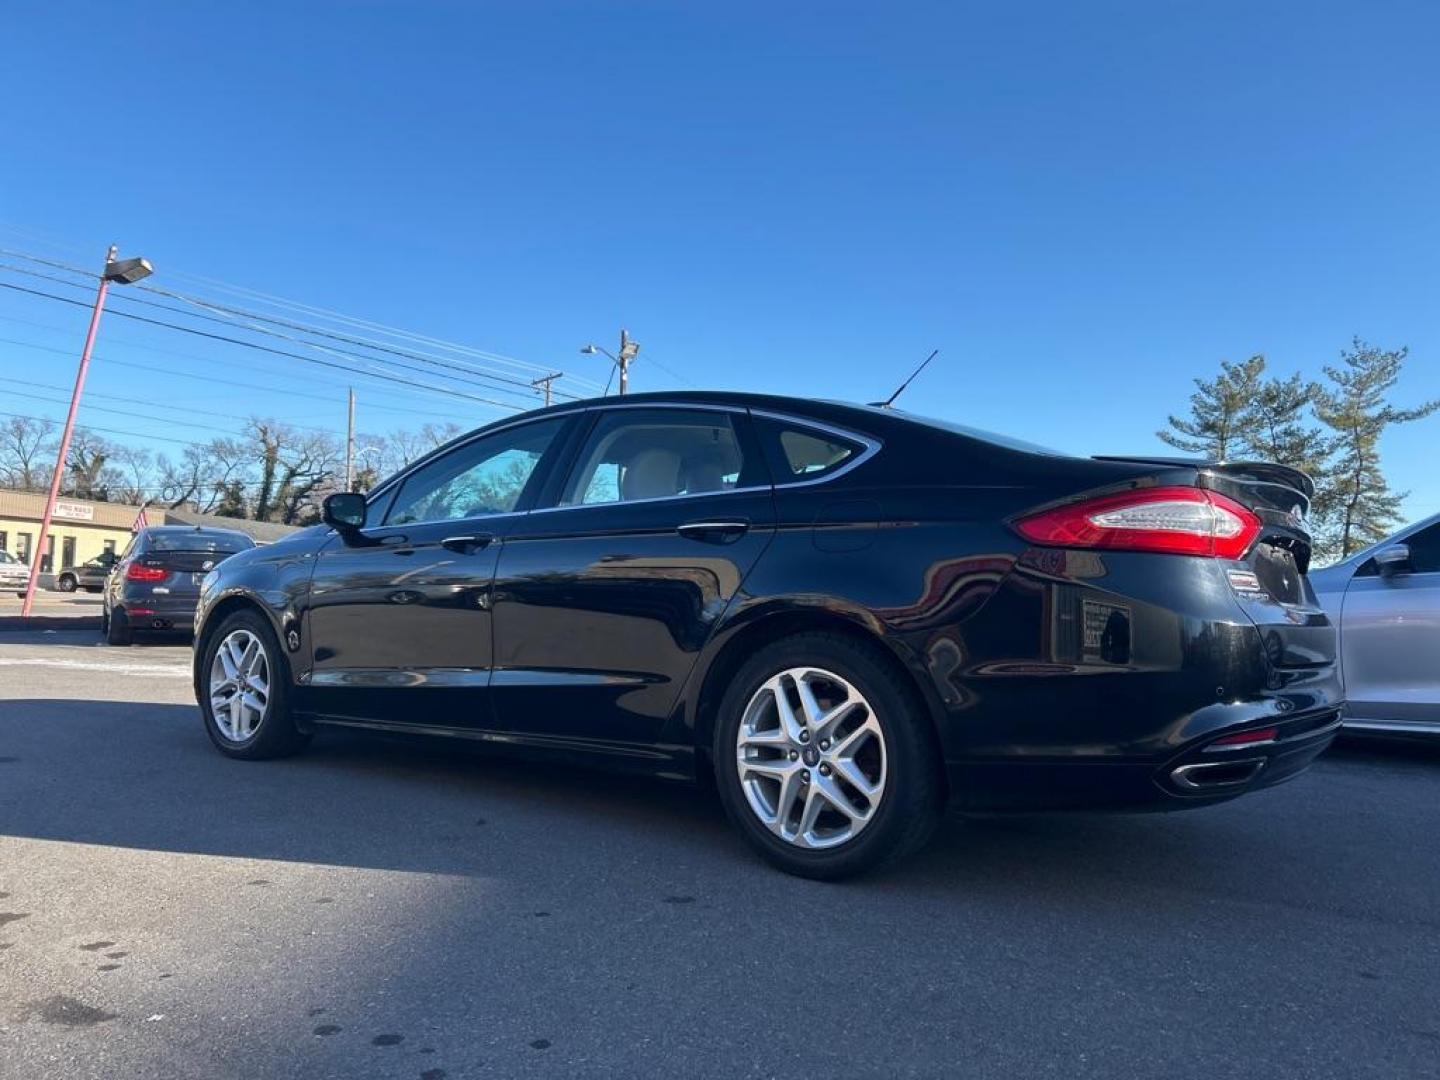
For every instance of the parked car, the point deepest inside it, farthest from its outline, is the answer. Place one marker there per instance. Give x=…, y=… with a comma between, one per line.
x=849, y=616
x=14, y=574
x=156, y=581
x=1386, y=602
x=89, y=575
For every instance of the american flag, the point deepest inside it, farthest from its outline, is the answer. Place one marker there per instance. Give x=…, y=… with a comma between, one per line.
x=140, y=521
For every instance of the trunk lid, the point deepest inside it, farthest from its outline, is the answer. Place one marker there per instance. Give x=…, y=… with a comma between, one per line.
x=1270, y=581
x=183, y=569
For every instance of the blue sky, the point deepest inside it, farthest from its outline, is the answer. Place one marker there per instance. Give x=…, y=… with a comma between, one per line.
x=1082, y=205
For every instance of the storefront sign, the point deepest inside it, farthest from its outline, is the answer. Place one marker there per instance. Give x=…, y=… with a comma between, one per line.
x=74, y=511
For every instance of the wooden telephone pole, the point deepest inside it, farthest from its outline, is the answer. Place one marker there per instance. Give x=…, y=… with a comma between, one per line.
x=545, y=381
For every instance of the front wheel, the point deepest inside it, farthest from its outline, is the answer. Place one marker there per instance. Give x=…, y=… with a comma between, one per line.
x=244, y=691
x=824, y=758
x=66, y=583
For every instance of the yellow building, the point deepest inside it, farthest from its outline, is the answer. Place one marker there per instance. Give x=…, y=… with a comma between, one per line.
x=79, y=530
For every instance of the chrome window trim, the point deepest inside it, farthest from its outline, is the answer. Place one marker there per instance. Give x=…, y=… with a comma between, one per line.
x=871, y=446
x=653, y=499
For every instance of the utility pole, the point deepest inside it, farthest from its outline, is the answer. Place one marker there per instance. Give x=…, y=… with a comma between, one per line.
x=350, y=445
x=545, y=381
x=124, y=272
x=628, y=349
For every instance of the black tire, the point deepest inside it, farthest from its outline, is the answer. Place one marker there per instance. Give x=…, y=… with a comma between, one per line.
x=911, y=805
x=117, y=628
x=66, y=583
x=276, y=734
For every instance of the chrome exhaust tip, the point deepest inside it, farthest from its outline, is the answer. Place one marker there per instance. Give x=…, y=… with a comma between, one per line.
x=1208, y=775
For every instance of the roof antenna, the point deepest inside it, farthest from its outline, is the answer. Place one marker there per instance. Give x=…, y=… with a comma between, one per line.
x=901, y=388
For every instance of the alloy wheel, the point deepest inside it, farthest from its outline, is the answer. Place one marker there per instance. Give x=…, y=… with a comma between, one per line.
x=811, y=757
x=239, y=685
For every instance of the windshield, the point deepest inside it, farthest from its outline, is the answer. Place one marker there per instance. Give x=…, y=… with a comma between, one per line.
x=197, y=541
x=6, y=557
x=980, y=433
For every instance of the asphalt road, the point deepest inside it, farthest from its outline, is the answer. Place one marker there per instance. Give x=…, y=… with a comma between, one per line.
x=390, y=908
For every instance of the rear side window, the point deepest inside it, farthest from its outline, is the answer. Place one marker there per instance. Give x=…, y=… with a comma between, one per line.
x=798, y=453
x=636, y=454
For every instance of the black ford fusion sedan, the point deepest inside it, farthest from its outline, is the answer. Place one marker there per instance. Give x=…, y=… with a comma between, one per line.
x=850, y=617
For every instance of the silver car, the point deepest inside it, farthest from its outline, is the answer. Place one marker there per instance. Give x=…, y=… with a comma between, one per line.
x=1386, y=602
x=14, y=574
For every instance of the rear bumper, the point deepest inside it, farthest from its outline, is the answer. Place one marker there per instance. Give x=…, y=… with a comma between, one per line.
x=170, y=614
x=1087, y=680
x=1200, y=775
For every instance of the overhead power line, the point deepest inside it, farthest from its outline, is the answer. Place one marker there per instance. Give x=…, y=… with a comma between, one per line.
x=206, y=425
x=268, y=349
x=365, y=325
x=315, y=379
x=475, y=380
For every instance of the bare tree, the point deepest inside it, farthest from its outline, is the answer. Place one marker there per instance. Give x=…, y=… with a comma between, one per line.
x=135, y=466
x=293, y=467
x=27, y=447
x=204, y=477
x=88, y=472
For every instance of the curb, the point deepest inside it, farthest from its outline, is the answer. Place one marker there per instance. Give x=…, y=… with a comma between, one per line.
x=88, y=623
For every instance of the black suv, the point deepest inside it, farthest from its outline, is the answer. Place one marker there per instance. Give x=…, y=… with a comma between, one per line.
x=156, y=582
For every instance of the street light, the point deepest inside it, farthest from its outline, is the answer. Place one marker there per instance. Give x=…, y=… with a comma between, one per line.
x=628, y=350
x=120, y=272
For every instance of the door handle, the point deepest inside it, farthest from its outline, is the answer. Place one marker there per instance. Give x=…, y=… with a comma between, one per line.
x=465, y=544
x=714, y=531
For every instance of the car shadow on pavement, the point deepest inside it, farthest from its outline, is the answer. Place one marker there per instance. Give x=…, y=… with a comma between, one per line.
x=144, y=775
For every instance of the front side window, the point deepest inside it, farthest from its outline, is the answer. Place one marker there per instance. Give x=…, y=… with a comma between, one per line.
x=636, y=454
x=481, y=478
x=1425, y=551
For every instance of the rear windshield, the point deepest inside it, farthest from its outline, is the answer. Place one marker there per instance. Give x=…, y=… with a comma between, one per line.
x=189, y=541
x=6, y=557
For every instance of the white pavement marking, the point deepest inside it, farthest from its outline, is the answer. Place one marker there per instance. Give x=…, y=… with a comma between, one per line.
x=121, y=668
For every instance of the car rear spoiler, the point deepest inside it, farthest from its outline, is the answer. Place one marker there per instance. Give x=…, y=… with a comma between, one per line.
x=1264, y=471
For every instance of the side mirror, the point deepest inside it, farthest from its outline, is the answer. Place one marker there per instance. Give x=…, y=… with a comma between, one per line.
x=344, y=512
x=1393, y=559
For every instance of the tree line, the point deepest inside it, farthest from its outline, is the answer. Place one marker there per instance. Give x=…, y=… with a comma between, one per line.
x=1328, y=428
x=270, y=471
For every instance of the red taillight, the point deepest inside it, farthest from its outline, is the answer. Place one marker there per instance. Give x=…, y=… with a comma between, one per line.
x=136, y=572
x=1178, y=520
x=1249, y=738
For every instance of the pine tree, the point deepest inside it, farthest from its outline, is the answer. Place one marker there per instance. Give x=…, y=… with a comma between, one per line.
x=1355, y=408
x=1221, y=412
x=1279, y=428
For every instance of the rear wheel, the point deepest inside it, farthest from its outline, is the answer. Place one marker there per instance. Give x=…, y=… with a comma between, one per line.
x=117, y=628
x=824, y=759
x=245, y=691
